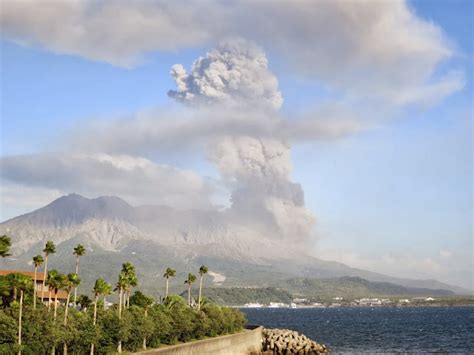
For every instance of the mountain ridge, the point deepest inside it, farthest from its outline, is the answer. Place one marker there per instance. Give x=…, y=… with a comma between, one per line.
x=110, y=227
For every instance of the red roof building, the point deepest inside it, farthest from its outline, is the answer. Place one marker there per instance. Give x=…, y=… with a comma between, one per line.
x=62, y=295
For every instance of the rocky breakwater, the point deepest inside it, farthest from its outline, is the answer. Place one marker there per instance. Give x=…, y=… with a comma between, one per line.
x=284, y=341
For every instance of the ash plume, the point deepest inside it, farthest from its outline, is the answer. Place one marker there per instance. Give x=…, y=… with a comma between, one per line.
x=256, y=169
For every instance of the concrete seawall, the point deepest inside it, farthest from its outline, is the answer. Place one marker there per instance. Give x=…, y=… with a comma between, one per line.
x=234, y=344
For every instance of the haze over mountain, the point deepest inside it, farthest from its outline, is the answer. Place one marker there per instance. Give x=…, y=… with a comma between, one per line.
x=154, y=237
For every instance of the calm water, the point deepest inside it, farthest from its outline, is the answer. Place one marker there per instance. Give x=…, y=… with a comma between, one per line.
x=377, y=330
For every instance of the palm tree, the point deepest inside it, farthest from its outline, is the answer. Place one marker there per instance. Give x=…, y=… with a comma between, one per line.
x=22, y=283
x=50, y=282
x=191, y=278
x=107, y=291
x=5, y=244
x=49, y=248
x=168, y=273
x=122, y=284
x=84, y=301
x=15, y=280
x=202, y=270
x=128, y=270
x=132, y=282
x=79, y=251
x=37, y=262
x=71, y=281
x=55, y=282
x=100, y=287
x=146, y=303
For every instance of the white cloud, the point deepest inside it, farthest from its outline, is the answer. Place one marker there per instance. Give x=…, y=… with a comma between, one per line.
x=118, y=32
x=17, y=199
x=137, y=180
x=365, y=49
x=445, y=254
x=410, y=264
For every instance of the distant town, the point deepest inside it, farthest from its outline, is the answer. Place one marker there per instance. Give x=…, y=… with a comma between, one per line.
x=367, y=302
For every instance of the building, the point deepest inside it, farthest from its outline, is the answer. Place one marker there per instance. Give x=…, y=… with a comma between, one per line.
x=62, y=295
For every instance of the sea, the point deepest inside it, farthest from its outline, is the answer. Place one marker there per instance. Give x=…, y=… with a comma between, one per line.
x=377, y=330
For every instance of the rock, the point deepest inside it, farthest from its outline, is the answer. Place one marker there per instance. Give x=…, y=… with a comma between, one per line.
x=285, y=341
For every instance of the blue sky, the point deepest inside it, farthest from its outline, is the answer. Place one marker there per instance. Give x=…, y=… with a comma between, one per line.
x=395, y=198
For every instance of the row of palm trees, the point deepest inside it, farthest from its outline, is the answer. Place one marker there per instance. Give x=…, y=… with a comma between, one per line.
x=189, y=281
x=57, y=281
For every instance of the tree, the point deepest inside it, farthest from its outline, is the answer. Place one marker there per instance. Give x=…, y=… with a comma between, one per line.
x=50, y=282
x=70, y=282
x=121, y=286
x=128, y=271
x=84, y=301
x=37, y=262
x=141, y=300
x=55, y=282
x=79, y=251
x=190, y=280
x=202, y=271
x=107, y=291
x=132, y=282
x=15, y=281
x=5, y=244
x=23, y=284
x=168, y=273
x=100, y=287
x=49, y=248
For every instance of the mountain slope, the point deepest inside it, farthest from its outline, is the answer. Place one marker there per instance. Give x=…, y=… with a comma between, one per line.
x=154, y=237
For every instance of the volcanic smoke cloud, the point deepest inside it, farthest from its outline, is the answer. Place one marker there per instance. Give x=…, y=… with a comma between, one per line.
x=257, y=169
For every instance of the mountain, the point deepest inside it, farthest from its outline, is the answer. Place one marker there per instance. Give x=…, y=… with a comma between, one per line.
x=155, y=237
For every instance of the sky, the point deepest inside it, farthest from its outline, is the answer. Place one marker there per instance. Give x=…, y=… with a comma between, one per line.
x=343, y=125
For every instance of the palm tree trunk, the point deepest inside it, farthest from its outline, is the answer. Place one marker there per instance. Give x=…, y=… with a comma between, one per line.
x=15, y=293
x=65, y=319
x=94, y=320
x=67, y=307
x=19, y=321
x=120, y=303
x=105, y=301
x=44, y=276
x=200, y=293
x=49, y=300
x=166, y=293
x=128, y=298
x=55, y=303
x=144, y=338
x=95, y=308
x=77, y=272
x=34, y=288
x=189, y=295
x=119, y=347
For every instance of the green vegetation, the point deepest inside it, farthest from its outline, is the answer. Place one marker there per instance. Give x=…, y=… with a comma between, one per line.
x=190, y=280
x=202, y=271
x=452, y=301
x=167, y=275
x=5, y=244
x=167, y=323
x=135, y=322
x=352, y=287
x=37, y=262
x=238, y=296
x=49, y=248
x=79, y=251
